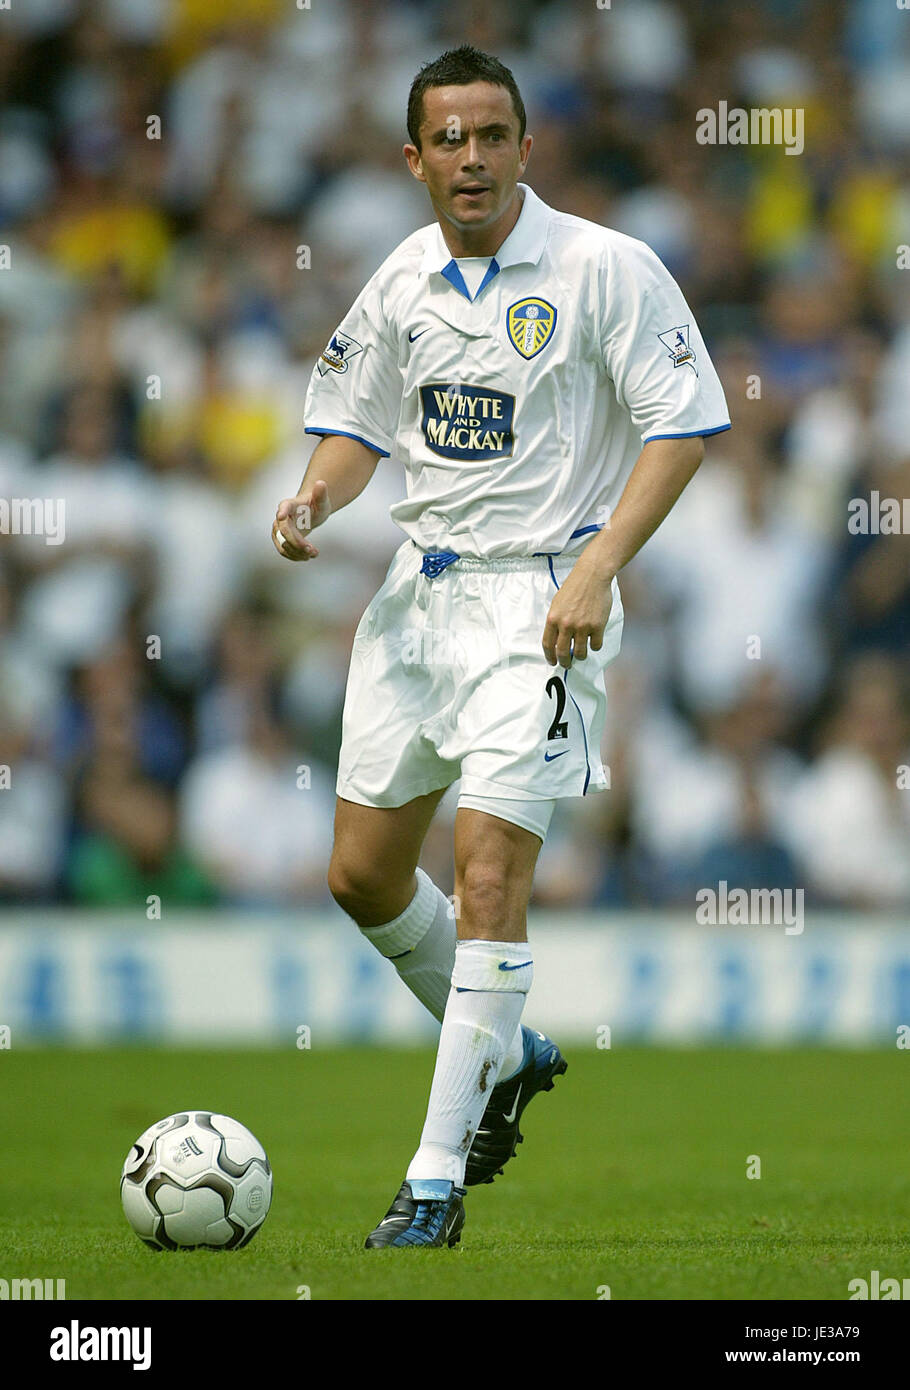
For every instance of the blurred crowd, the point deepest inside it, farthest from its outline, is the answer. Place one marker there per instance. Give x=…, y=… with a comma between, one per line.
x=171, y=691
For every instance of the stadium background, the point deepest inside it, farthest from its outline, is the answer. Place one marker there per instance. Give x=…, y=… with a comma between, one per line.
x=170, y=696
x=165, y=828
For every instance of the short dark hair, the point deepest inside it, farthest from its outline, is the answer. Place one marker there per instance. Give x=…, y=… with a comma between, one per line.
x=458, y=67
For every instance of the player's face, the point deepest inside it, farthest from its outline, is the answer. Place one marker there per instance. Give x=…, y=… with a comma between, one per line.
x=470, y=158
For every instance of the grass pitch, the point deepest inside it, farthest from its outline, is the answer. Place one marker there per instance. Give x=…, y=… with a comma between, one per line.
x=632, y=1175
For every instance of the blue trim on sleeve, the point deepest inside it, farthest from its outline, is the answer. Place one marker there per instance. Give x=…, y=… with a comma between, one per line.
x=320, y=429
x=689, y=434
x=582, y=531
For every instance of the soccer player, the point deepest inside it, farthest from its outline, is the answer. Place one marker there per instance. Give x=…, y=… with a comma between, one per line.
x=545, y=385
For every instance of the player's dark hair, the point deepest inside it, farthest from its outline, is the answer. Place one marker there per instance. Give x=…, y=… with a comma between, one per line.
x=458, y=67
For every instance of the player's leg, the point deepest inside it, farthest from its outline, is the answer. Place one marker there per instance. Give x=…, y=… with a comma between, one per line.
x=385, y=758
x=494, y=870
x=494, y=873
x=532, y=1060
x=374, y=856
x=373, y=875
x=555, y=726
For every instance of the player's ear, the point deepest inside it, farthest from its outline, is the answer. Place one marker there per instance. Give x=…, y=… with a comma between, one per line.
x=412, y=155
x=524, y=151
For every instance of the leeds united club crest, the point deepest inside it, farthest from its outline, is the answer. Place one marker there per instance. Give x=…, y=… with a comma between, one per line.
x=530, y=325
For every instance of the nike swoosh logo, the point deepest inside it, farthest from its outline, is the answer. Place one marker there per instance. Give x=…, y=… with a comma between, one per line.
x=503, y=965
x=510, y=1118
x=450, y=1228
x=551, y=757
x=412, y=337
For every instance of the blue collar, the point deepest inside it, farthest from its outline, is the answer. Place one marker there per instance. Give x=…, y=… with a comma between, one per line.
x=452, y=273
x=524, y=244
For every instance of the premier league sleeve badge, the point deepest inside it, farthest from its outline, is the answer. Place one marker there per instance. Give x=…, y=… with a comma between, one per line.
x=338, y=353
x=676, y=341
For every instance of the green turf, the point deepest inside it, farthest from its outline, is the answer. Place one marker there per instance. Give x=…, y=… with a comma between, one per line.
x=633, y=1175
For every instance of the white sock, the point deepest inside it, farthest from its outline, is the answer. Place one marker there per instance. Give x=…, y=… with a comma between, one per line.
x=490, y=982
x=421, y=945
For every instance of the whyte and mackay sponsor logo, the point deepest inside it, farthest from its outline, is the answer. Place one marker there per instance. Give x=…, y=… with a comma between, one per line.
x=460, y=421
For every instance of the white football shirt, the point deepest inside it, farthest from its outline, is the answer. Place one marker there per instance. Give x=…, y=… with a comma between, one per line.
x=518, y=410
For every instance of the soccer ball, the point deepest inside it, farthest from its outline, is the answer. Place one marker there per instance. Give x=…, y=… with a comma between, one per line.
x=196, y=1179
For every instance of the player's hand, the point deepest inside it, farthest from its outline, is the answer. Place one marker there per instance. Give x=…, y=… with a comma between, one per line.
x=295, y=518
x=578, y=616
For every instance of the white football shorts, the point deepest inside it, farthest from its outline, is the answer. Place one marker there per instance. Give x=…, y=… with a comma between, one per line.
x=448, y=679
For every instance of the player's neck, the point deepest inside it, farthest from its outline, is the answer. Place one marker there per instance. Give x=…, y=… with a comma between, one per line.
x=482, y=241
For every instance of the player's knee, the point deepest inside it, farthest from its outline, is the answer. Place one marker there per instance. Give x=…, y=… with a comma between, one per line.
x=368, y=895
x=349, y=886
x=485, y=890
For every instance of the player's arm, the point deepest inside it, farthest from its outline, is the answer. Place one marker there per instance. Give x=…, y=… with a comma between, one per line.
x=663, y=468
x=581, y=608
x=338, y=471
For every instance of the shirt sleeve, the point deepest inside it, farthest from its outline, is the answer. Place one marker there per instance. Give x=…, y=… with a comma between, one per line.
x=355, y=388
x=653, y=350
